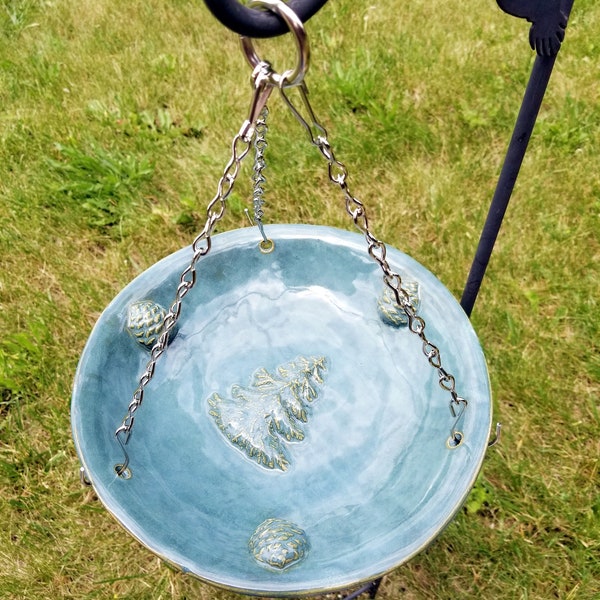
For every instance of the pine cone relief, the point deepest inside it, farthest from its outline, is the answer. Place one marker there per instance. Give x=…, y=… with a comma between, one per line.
x=271, y=412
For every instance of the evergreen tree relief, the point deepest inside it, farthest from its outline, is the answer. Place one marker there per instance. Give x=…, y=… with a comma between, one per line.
x=272, y=410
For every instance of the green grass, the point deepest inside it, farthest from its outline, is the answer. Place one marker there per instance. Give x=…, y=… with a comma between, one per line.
x=115, y=124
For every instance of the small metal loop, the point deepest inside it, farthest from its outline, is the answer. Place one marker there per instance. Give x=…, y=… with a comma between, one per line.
x=157, y=351
x=188, y=277
x=393, y=281
x=150, y=369
x=83, y=477
x=125, y=428
x=291, y=77
x=417, y=325
x=435, y=360
x=432, y=352
x=175, y=308
x=233, y=167
x=137, y=398
x=337, y=172
x=144, y=381
x=401, y=296
x=458, y=401
x=497, y=435
x=185, y=286
x=225, y=187
x=133, y=406
x=355, y=209
x=446, y=380
x=378, y=251
x=202, y=250
x=169, y=322
x=326, y=151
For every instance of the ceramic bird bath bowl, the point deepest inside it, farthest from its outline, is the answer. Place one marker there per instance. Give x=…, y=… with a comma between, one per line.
x=294, y=438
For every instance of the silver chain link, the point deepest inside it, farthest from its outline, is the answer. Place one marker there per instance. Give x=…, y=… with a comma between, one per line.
x=338, y=174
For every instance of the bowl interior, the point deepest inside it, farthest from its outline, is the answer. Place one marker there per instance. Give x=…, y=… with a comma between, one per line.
x=293, y=439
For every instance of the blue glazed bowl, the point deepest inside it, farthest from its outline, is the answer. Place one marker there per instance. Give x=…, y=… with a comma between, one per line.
x=294, y=437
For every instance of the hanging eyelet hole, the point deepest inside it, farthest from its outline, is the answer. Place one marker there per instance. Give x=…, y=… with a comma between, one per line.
x=267, y=246
x=455, y=440
x=123, y=472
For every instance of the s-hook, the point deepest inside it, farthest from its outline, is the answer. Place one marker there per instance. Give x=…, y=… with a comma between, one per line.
x=255, y=23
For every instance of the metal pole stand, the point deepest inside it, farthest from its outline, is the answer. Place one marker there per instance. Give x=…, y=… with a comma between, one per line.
x=548, y=23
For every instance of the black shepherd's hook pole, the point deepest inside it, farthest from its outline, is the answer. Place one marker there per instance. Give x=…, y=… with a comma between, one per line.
x=254, y=23
x=549, y=20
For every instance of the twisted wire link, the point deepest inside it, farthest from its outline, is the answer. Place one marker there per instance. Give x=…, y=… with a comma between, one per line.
x=338, y=174
x=200, y=247
x=258, y=178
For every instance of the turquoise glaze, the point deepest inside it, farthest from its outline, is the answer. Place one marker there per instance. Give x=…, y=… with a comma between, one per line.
x=369, y=480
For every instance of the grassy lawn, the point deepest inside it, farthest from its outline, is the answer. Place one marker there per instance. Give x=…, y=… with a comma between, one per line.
x=115, y=125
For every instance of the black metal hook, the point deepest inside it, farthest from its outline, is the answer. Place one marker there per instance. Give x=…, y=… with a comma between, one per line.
x=255, y=23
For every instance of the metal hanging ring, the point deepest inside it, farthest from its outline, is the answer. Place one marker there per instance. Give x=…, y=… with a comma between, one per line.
x=291, y=77
x=259, y=24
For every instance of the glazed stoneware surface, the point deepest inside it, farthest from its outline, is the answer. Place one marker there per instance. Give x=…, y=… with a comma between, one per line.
x=293, y=438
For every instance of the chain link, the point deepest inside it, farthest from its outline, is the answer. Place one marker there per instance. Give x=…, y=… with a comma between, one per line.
x=338, y=174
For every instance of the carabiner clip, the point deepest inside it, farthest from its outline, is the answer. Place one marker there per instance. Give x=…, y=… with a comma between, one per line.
x=291, y=77
x=263, y=75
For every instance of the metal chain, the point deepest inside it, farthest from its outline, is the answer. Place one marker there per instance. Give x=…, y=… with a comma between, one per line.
x=258, y=179
x=201, y=246
x=338, y=174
